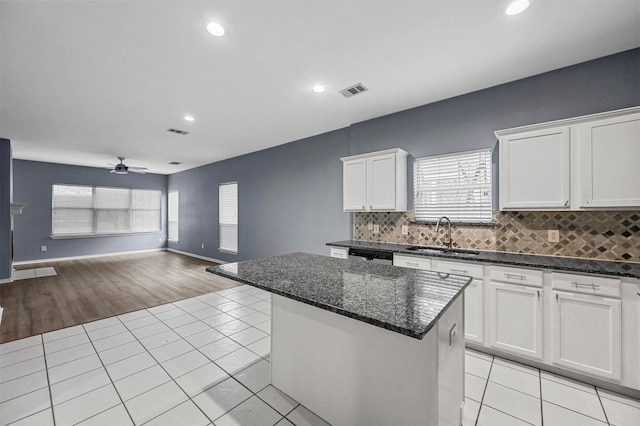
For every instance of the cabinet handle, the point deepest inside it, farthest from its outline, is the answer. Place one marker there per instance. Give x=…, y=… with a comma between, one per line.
x=459, y=271
x=370, y=207
x=538, y=294
x=566, y=203
x=363, y=207
x=556, y=297
x=412, y=264
x=592, y=285
x=516, y=276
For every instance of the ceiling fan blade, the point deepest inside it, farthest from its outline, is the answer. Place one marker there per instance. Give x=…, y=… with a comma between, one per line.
x=112, y=171
x=138, y=168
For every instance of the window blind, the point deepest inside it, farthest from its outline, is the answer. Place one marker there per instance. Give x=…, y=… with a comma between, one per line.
x=454, y=185
x=173, y=215
x=87, y=211
x=228, y=216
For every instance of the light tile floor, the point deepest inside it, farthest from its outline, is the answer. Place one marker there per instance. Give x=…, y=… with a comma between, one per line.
x=205, y=361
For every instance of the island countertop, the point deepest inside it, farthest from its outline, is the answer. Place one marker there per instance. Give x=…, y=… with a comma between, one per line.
x=406, y=301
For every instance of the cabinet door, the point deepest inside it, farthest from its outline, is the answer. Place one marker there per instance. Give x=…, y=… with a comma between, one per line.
x=382, y=178
x=354, y=185
x=587, y=334
x=474, y=312
x=610, y=151
x=515, y=323
x=535, y=170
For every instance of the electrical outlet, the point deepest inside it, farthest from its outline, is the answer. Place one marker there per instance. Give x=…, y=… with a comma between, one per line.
x=376, y=229
x=160, y=239
x=202, y=245
x=43, y=248
x=553, y=235
x=370, y=226
x=405, y=229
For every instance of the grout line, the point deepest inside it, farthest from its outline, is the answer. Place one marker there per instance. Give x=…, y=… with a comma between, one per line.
x=602, y=405
x=46, y=369
x=493, y=358
x=541, y=407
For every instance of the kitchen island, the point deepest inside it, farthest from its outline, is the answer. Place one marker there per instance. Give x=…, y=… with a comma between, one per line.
x=361, y=343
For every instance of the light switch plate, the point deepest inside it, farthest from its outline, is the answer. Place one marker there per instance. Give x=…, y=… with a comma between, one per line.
x=405, y=229
x=370, y=226
x=553, y=235
x=376, y=229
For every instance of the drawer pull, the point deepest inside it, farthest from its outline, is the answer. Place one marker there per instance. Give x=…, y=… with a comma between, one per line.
x=592, y=285
x=412, y=264
x=516, y=276
x=459, y=271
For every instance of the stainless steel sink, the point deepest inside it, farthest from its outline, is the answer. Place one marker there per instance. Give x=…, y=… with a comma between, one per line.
x=442, y=250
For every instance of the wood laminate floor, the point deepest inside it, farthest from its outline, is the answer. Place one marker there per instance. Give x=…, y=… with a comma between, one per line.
x=90, y=289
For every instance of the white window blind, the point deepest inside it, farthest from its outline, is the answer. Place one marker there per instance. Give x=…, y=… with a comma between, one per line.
x=173, y=215
x=86, y=211
x=454, y=185
x=228, y=216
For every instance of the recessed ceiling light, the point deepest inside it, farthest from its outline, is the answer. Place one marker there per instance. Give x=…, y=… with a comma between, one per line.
x=318, y=88
x=517, y=6
x=216, y=29
x=189, y=118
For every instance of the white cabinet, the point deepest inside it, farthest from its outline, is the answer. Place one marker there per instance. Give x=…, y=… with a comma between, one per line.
x=586, y=326
x=535, y=171
x=473, y=295
x=581, y=163
x=375, y=181
x=339, y=252
x=516, y=311
x=610, y=153
x=413, y=262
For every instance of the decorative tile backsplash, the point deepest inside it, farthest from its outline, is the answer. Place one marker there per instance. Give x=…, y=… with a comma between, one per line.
x=604, y=235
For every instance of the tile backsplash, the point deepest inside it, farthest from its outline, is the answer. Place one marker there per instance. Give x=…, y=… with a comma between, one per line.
x=604, y=235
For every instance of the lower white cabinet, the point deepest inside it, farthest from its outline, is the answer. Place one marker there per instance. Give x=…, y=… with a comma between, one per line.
x=339, y=252
x=413, y=262
x=587, y=334
x=515, y=319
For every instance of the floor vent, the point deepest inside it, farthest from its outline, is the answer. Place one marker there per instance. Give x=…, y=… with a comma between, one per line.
x=178, y=131
x=356, y=89
x=174, y=163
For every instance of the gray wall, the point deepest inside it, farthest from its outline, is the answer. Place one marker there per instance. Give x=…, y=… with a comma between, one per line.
x=5, y=206
x=32, y=185
x=289, y=199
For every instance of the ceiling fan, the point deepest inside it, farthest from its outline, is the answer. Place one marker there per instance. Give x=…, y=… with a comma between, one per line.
x=123, y=169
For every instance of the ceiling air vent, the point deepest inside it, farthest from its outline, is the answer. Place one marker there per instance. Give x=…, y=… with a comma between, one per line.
x=178, y=131
x=356, y=89
x=174, y=163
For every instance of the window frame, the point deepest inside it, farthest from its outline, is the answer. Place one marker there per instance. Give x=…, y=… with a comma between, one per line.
x=229, y=250
x=483, y=214
x=175, y=221
x=95, y=211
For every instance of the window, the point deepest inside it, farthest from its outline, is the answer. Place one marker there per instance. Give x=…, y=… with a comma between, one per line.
x=454, y=185
x=90, y=211
x=228, y=217
x=172, y=215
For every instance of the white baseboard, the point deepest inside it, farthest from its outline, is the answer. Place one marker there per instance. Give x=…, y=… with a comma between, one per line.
x=197, y=256
x=6, y=281
x=89, y=256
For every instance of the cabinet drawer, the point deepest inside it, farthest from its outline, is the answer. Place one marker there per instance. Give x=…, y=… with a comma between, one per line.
x=586, y=284
x=474, y=270
x=528, y=277
x=413, y=262
x=341, y=253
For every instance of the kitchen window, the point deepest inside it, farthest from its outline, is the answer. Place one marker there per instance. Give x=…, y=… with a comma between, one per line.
x=454, y=185
x=79, y=211
x=173, y=215
x=228, y=217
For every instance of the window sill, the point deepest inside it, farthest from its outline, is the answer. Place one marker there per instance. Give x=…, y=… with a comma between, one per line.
x=121, y=234
x=221, y=250
x=454, y=223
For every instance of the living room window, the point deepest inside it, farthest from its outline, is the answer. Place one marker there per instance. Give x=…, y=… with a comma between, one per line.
x=228, y=217
x=173, y=215
x=454, y=185
x=96, y=211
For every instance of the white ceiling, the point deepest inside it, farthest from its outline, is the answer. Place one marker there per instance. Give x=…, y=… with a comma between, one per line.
x=82, y=82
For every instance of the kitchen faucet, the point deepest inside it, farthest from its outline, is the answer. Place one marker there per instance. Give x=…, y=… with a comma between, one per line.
x=448, y=241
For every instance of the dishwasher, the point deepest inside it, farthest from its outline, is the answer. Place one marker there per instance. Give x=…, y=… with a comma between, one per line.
x=371, y=255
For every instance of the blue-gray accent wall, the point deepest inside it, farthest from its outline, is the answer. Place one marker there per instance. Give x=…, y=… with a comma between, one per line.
x=5, y=208
x=32, y=185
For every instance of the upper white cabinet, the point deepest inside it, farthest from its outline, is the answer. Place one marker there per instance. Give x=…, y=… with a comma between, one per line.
x=611, y=162
x=581, y=163
x=535, y=170
x=375, y=182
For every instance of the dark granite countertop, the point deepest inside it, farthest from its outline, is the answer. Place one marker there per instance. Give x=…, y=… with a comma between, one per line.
x=558, y=263
x=406, y=301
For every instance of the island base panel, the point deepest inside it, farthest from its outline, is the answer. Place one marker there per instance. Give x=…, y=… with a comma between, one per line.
x=353, y=373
